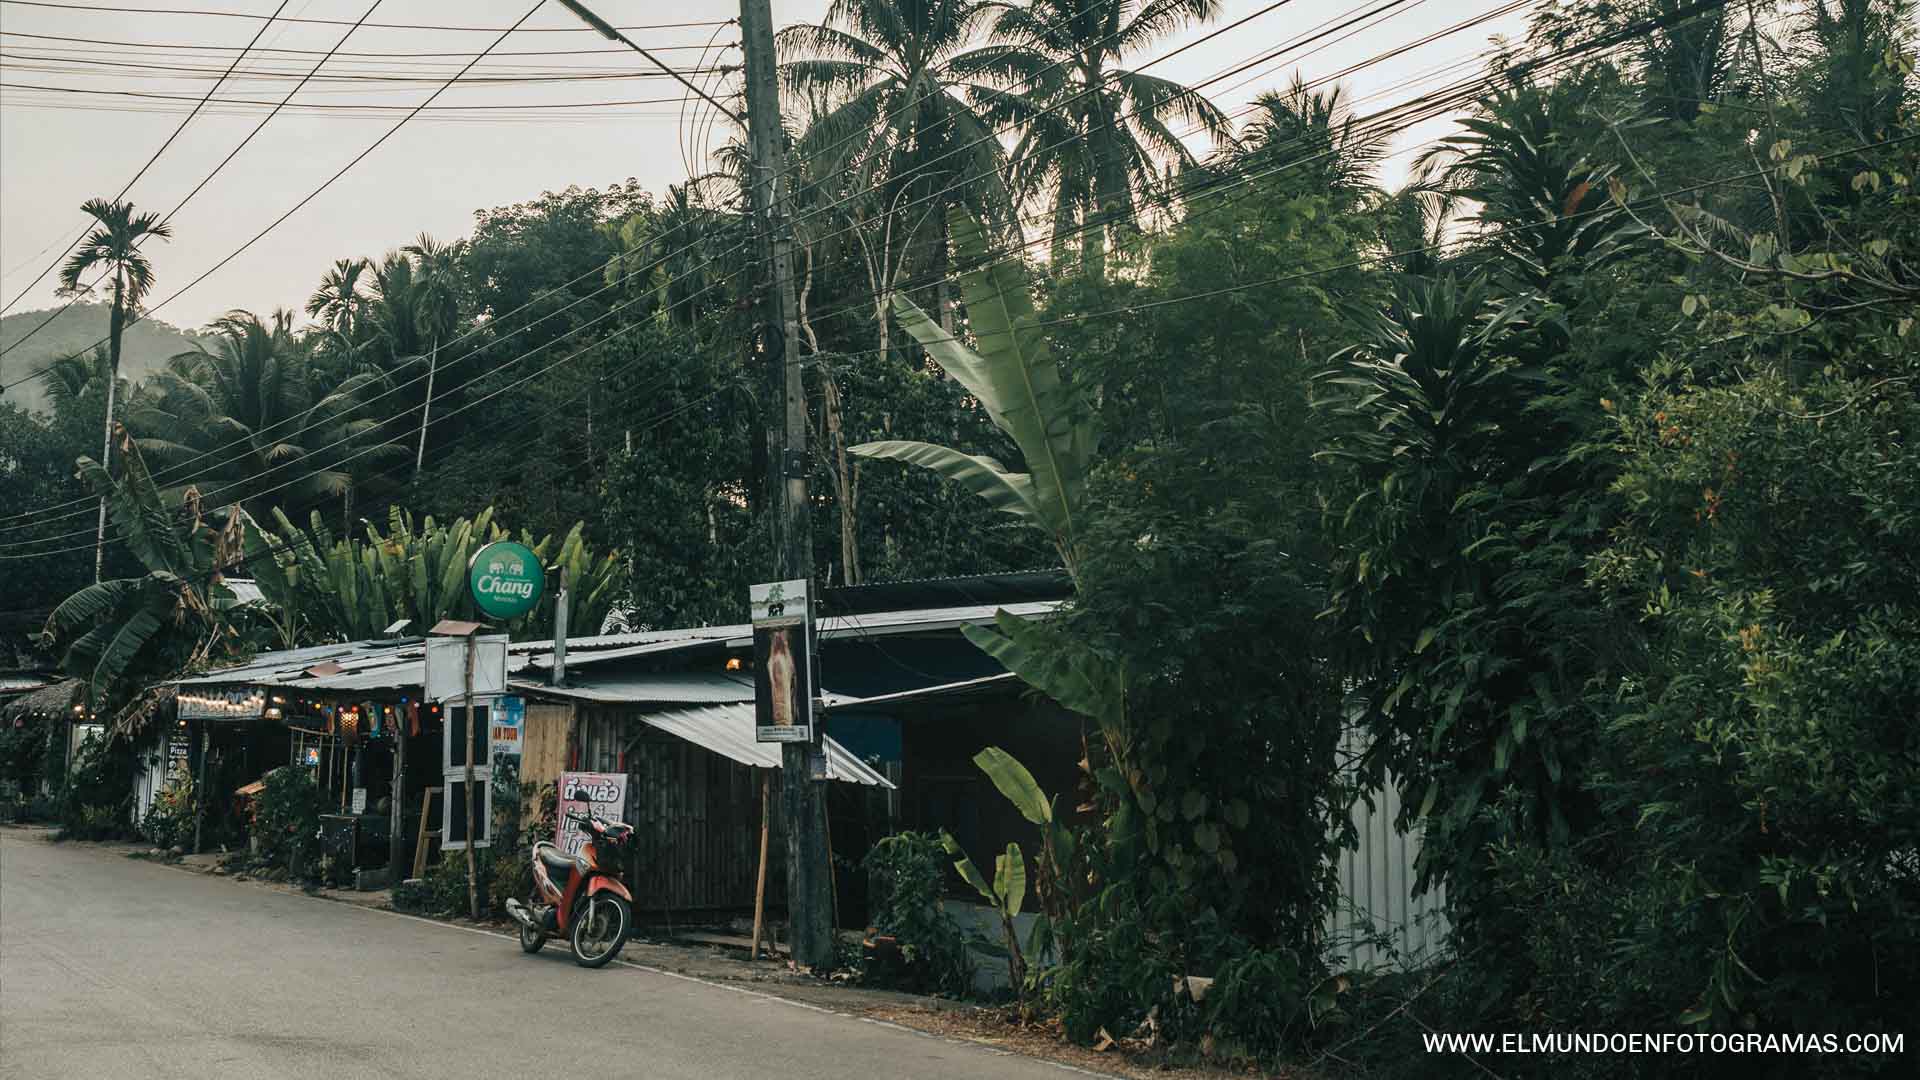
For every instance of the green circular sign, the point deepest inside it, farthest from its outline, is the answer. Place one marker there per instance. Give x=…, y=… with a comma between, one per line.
x=506, y=579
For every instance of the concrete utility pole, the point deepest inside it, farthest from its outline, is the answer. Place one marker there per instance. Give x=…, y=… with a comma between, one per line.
x=809, y=895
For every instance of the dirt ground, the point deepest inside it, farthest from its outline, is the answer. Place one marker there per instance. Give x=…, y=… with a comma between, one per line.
x=958, y=1020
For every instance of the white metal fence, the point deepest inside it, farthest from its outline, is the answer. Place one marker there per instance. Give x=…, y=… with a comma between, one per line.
x=1380, y=922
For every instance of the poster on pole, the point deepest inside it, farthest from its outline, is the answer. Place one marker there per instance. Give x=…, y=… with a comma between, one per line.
x=782, y=662
x=602, y=795
x=509, y=721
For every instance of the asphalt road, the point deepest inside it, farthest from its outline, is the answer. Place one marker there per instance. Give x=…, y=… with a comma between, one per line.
x=115, y=967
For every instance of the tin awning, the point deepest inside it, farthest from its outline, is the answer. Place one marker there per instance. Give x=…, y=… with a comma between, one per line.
x=727, y=730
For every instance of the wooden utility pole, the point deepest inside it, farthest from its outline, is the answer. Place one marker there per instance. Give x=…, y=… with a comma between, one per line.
x=396, y=819
x=809, y=899
x=473, y=832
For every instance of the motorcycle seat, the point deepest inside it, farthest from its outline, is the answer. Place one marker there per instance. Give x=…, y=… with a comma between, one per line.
x=559, y=864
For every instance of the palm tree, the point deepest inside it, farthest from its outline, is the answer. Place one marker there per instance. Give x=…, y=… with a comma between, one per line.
x=339, y=303
x=70, y=378
x=250, y=406
x=436, y=311
x=892, y=87
x=1306, y=141
x=1094, y=134
x=114, y=245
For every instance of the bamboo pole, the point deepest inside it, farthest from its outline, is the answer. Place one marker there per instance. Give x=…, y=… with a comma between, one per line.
x=760, y=886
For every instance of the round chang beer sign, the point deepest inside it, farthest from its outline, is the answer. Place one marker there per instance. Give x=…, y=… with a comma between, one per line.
x=506, y=579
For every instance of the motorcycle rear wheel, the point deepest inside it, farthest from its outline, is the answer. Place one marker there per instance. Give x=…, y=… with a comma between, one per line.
x=600, y=931
x=531, y=940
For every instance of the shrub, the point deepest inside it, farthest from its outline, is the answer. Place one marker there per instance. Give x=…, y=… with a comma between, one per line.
x=169, y=820
x=286, y=820
x=96, y=800
x=907, y=872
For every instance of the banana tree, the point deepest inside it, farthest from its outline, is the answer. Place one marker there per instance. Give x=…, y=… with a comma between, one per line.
x=348, y=588
x=1015, y=377
x=1006, y=894
x=123, y=633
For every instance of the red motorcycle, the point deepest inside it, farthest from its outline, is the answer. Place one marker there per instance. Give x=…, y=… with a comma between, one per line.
x=580, y=897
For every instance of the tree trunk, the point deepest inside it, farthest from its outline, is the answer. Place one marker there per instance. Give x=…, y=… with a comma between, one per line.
x=843, y=484
x=116, y=323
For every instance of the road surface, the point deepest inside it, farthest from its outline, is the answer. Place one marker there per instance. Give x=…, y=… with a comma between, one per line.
x=116, y=967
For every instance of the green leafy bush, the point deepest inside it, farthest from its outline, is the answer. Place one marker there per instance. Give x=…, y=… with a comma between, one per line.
x=907, y=873
x=287, y=821
x=169, y=820
x=96, y=801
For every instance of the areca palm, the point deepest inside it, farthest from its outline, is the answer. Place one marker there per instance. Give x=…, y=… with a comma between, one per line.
x=113, y=246
x=338, y=302
x=1095, y=135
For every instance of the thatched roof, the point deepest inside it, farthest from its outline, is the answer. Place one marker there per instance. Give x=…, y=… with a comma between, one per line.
x=55, y=699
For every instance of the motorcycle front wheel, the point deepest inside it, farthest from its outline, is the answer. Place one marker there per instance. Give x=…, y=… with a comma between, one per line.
x=600, y=931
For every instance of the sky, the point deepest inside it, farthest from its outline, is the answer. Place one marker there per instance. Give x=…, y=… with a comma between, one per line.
x=58, y=147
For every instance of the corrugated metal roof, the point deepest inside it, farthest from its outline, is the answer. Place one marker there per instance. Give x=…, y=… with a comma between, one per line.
x=20, y=684
x=986, y=685
x=687, y=688
x=727, y=730
x=245, y=590
x=286, y=665
x=919, y=621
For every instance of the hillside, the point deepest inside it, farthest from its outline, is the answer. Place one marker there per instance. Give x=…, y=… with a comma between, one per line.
x=144, y=347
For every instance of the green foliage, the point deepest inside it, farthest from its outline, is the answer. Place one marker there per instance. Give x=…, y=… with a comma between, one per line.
x=169, y=821
x=95, y=800
x=907, y=876
x=286, y=821
x=350, y=589
x=1016, y=378
x=121, y=634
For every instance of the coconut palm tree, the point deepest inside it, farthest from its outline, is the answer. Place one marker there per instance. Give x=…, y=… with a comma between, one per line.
x=1304, y=141
x=248, y=411
x=1095, y=135
x=896, y=137
x=114, y=247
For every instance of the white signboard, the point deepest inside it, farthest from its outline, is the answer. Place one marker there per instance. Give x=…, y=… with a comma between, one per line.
x=782, y=661
x=603, y=795
x=447, y=667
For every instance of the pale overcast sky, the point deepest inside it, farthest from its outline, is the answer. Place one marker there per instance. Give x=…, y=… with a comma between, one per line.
x=58, y=148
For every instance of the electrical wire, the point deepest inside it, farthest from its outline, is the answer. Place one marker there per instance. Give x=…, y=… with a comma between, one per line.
x=102, y=8
x=128, y=186
x=697, y=269
x=310, y=196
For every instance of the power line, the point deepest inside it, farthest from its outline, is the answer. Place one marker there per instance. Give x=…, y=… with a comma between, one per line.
x=829, y=314
x=184, y=46
x=128, y=186
x=315, y=193
x=101, y=8
x=168, y=216
x=367, y=107
x=836, y=312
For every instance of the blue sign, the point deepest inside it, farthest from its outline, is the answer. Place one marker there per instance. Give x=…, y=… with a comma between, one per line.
x=509, y=722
